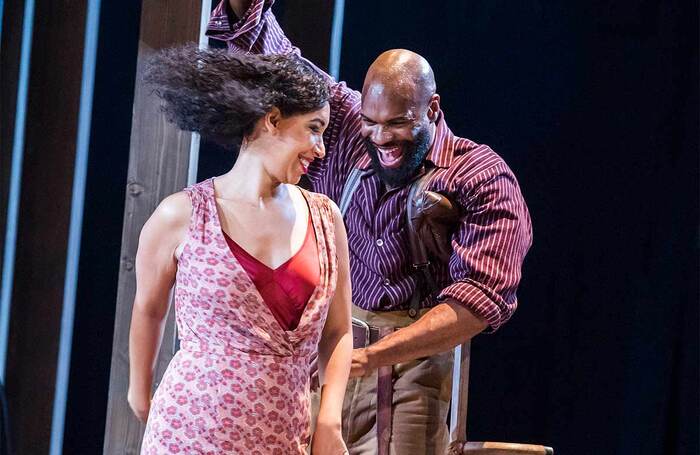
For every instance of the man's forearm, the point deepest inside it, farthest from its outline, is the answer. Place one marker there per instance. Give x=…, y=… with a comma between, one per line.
x=446, y=325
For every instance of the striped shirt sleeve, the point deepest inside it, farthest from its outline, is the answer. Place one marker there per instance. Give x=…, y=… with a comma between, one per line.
x=489, y=247
x=257, y=32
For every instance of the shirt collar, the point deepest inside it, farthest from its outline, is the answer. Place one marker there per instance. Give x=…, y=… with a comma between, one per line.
x=440, y=154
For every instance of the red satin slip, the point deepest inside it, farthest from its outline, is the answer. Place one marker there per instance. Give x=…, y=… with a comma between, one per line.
x=286, y=289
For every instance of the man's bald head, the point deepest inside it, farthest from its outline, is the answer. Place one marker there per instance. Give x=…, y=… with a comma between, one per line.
x=401, y=73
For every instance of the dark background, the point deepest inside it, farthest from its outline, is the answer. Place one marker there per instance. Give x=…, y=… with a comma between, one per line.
x=595, y=107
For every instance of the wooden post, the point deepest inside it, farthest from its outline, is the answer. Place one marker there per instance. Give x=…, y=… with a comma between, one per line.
x=460, y=392
x=158, y=166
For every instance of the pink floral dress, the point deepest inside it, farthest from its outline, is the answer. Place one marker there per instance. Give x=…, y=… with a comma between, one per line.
x=240, y=382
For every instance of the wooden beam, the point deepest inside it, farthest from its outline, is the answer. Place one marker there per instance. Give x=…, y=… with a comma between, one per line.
x=158, y=166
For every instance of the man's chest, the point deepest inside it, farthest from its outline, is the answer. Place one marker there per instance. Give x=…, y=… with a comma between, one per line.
x=375, y=210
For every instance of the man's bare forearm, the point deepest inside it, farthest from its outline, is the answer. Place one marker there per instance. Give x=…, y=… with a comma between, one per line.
x=446, y=325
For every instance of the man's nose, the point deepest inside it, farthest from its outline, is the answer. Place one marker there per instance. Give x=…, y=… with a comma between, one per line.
x=380, y=135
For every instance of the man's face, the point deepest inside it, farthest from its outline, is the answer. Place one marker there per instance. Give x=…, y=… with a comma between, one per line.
x=397, y=133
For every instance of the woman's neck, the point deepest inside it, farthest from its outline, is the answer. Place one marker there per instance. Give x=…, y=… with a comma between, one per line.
x=249, y=182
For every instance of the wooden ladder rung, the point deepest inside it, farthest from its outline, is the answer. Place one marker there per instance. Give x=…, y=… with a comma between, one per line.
x=497, y=448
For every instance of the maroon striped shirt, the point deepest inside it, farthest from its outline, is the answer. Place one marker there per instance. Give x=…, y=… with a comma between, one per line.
x=494, y=233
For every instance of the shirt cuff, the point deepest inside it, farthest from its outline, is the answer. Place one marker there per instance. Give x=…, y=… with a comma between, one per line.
x=481, y=301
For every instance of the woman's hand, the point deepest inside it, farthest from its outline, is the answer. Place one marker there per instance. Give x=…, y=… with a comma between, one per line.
x=328, y=440
x=140, y=404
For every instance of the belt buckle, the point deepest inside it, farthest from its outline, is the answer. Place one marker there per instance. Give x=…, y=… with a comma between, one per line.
x=360, y=333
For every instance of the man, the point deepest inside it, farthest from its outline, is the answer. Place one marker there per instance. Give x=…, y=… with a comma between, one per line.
x=393, y=133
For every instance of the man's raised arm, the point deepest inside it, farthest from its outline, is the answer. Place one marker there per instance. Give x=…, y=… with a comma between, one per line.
x=248, y=26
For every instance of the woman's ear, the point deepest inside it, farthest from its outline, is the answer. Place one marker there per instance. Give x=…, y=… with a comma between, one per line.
x=272, y=119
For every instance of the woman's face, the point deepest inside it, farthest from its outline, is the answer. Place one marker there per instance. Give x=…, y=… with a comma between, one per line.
x=298, y=140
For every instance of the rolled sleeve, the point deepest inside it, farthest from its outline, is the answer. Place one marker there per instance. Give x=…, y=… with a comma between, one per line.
x=489, y=247
x=483, y=302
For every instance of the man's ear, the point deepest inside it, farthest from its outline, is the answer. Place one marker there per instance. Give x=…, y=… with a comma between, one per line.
x=434, y=108
x=272, y=120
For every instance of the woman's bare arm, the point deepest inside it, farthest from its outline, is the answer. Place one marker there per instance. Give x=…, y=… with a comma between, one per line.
x=155, y=275
x=335, y=347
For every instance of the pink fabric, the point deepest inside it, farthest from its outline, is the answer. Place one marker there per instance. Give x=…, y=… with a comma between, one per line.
x=287, y=288
x=239, y=383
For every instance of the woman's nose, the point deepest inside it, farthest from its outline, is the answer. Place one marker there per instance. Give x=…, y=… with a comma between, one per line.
x=319, y=150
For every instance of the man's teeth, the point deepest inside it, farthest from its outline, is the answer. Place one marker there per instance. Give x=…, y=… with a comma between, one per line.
x=304, y=162
x=389, y=150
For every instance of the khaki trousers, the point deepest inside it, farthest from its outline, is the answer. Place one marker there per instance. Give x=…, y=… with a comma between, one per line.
x=421, y=400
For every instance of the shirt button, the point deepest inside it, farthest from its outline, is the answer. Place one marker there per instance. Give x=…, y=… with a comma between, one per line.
x=386, y=282
x=218, y=22
x=380, y=242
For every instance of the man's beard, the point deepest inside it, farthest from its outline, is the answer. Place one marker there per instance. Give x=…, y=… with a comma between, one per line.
x=413, y=155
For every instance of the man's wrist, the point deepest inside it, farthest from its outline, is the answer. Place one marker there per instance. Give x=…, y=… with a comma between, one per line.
x=373, y=355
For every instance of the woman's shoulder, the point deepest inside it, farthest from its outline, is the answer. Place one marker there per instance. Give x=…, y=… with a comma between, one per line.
x=174, y=210
x=326, y=206
x=319, y=198
x=200, y=188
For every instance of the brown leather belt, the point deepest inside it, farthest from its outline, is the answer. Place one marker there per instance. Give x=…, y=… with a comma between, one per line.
x=364, y=335
x=377, y=333
x=385, y=397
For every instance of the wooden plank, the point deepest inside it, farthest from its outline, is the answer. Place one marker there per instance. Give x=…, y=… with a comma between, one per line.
x=158, y=165
x=500, y=448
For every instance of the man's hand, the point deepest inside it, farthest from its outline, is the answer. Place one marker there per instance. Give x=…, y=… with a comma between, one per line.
x=239, y=7
x=446, y=325
x=361, y=366
x=361, y=363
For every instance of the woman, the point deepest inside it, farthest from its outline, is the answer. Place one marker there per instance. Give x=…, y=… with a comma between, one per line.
x=260, y=268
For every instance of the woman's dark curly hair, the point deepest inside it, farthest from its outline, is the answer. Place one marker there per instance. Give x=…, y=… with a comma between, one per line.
x=222, y=95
